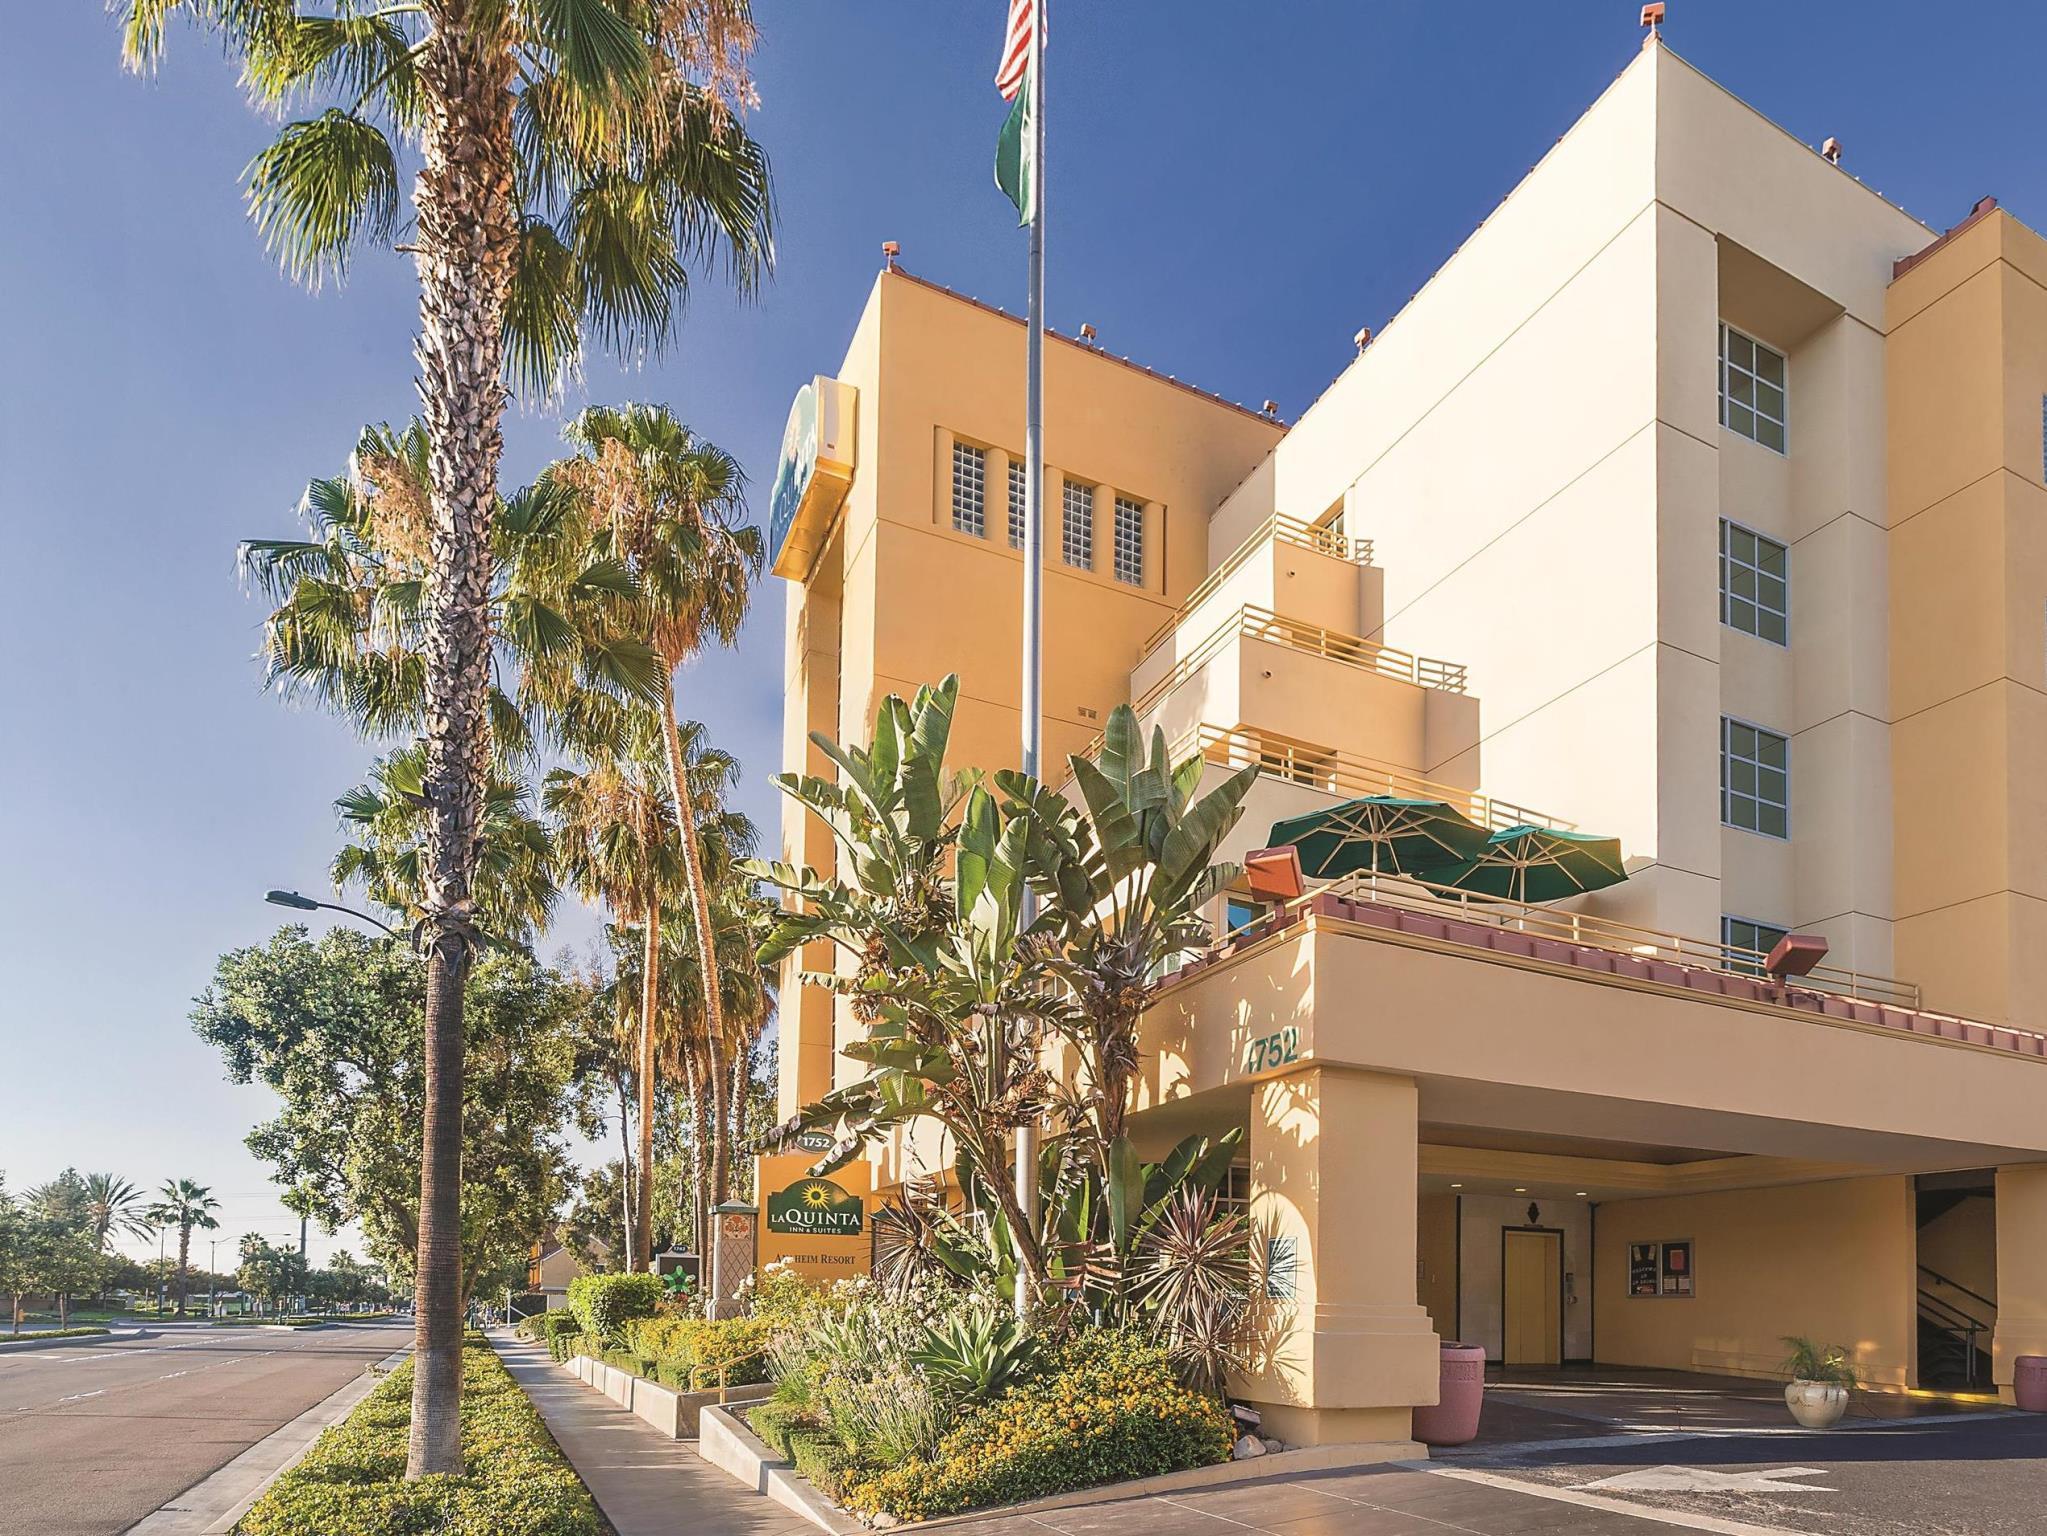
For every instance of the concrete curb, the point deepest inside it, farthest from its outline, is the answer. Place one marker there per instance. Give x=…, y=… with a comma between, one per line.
x=211, y=1506
x=725, y=1441
x=728, y=1444
x=28, y=1342
x=675, y=1413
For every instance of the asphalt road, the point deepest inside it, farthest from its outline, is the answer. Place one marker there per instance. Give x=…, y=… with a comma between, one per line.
x=1970, y=1476
x=95, y=1437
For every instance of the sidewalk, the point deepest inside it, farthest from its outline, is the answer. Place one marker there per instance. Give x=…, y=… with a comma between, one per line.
x=646, y=1484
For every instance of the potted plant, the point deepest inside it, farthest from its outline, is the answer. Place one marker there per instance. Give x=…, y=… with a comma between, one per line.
x=1821, y=1379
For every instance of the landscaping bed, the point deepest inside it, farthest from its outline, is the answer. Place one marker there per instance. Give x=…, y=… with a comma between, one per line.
x=352, y=1481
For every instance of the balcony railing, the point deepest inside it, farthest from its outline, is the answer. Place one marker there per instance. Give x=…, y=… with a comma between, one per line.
x=1256, y=623
x=1280, y=529
x=1347, y=774
x=1646, y=947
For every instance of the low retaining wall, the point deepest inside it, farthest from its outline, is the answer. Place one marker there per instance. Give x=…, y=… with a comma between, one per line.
x=676, y=1414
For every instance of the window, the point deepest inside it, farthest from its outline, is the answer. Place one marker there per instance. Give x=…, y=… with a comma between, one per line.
x=1755, y=779
x=970, y=489
x=1128, y=548
x=1740, y=934
x=1017, y=488
x=1241, y=912
x=1077, y=531
x=1754, y=583
x=1751, y=388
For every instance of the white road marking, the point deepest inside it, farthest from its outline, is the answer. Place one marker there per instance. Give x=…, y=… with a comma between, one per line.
x=79, y=1397
x=1626, y=1507
x=1671, y=1479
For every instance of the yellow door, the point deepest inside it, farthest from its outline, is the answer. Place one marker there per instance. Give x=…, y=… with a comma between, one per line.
x=1532, y=1303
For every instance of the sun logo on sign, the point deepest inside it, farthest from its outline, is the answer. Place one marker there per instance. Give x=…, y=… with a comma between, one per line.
x=817, y=1196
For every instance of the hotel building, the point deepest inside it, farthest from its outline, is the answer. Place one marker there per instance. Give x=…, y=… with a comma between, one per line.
x=1697, y=500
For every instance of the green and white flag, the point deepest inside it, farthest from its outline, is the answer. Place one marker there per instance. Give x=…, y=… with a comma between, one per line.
x=1016, y=169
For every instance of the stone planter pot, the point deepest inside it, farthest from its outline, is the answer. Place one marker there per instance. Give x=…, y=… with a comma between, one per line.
x=1816, y=1404
x=1453, y=1419
x=2029, y=1382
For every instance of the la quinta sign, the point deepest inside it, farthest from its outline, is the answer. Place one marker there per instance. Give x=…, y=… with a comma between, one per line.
x=815, y=1208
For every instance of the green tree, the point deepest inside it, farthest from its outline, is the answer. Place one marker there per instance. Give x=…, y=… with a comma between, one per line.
x=336, y=1028
x=185, y=1205
x=272, y=1275
x=575, y=158
x=668, y=506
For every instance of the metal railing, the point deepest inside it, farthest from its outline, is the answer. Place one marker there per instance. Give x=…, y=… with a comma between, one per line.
x=1349, y=774
x=1279, y=529
x=1252, y=622
x=1594, y=932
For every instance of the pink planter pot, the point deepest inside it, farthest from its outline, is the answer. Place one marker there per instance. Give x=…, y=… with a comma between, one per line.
x=2029, y=1382
x=1454, y=1418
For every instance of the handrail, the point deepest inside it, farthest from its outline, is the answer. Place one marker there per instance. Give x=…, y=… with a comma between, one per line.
x=1594, y=932
x=1256, y=623
x=1280, y=529
x=1944, y=1314
x=1346, y=773
x=1956, y=1285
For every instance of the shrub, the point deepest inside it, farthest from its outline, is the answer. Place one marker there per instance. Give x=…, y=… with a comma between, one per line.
x=51, y=1333
x=604, y=1304
x=563, y=1332
x=811, y=1449
x=691, y=1354
x=1108, y=1407
x=352, y=1481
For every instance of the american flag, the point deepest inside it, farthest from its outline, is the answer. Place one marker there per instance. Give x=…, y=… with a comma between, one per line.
x=1016, y=48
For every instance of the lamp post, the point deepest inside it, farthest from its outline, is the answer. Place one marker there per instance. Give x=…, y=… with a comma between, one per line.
x=160, y=1230
x=300, y=903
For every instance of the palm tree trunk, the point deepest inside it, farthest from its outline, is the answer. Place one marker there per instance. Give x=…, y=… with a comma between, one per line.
x=625, y=1171
x=466, y=246
x=184, y=1255
x=650, y=1001
x=707, y=951
x=699, y=1162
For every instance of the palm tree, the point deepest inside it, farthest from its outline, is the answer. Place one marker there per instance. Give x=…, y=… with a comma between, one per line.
x=666, y=504
x=515, y=890
x=113, y=1206
x=183, y=1204
x=575, y=157
x=615, y=841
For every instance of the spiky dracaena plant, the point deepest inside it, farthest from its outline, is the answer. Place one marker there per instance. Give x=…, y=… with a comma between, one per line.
x=575, y=158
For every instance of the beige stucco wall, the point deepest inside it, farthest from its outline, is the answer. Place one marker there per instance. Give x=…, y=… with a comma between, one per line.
x=1833, y=1262
x=1485, y=1218
x=1967, y=370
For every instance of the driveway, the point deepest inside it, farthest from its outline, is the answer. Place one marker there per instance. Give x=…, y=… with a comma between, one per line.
x=96, y=1436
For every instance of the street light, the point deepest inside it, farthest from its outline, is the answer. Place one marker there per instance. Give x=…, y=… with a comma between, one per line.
x=300, y=903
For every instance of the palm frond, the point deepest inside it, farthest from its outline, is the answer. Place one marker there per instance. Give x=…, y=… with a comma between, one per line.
x=323, y=186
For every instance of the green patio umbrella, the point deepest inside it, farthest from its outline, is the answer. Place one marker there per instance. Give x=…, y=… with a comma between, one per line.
x=1380, y=834
x=1536, y=864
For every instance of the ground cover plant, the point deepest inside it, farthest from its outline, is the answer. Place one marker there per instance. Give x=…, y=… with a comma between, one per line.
x=352, y=1481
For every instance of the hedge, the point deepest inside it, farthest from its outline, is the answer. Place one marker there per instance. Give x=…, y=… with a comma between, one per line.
x=691, y=1354
x=352, y=1481
x=52, y=1333
x=1109, y=1408
x=604, y=1304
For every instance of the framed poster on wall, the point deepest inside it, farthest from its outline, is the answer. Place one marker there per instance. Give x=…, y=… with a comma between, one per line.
x=1641, y=1269
x=1677, y=1268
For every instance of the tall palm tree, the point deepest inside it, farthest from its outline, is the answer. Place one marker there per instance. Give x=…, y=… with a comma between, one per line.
x=183, y=1204
x=113, y=1207
x=667, y=505
x=615, y=839
x=575, y=158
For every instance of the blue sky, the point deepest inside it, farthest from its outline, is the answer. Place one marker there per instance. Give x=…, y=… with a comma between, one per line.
x=1228, y=205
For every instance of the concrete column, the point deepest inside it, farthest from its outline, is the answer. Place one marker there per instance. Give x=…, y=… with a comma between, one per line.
x=1344, y=1350
x=2021, y=1269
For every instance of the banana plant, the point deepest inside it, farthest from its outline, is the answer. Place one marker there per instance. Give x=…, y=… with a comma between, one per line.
x=955, y=998
x=1124, y=881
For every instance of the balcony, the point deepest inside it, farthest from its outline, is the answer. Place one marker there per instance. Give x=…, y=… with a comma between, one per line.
x=1345, y=775
x=1592, y=943
x=1282, y=554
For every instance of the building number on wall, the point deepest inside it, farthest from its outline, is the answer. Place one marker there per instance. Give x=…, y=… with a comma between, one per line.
x=1273, y=1050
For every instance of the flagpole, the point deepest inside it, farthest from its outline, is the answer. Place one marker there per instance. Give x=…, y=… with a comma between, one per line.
x=1033, y=550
